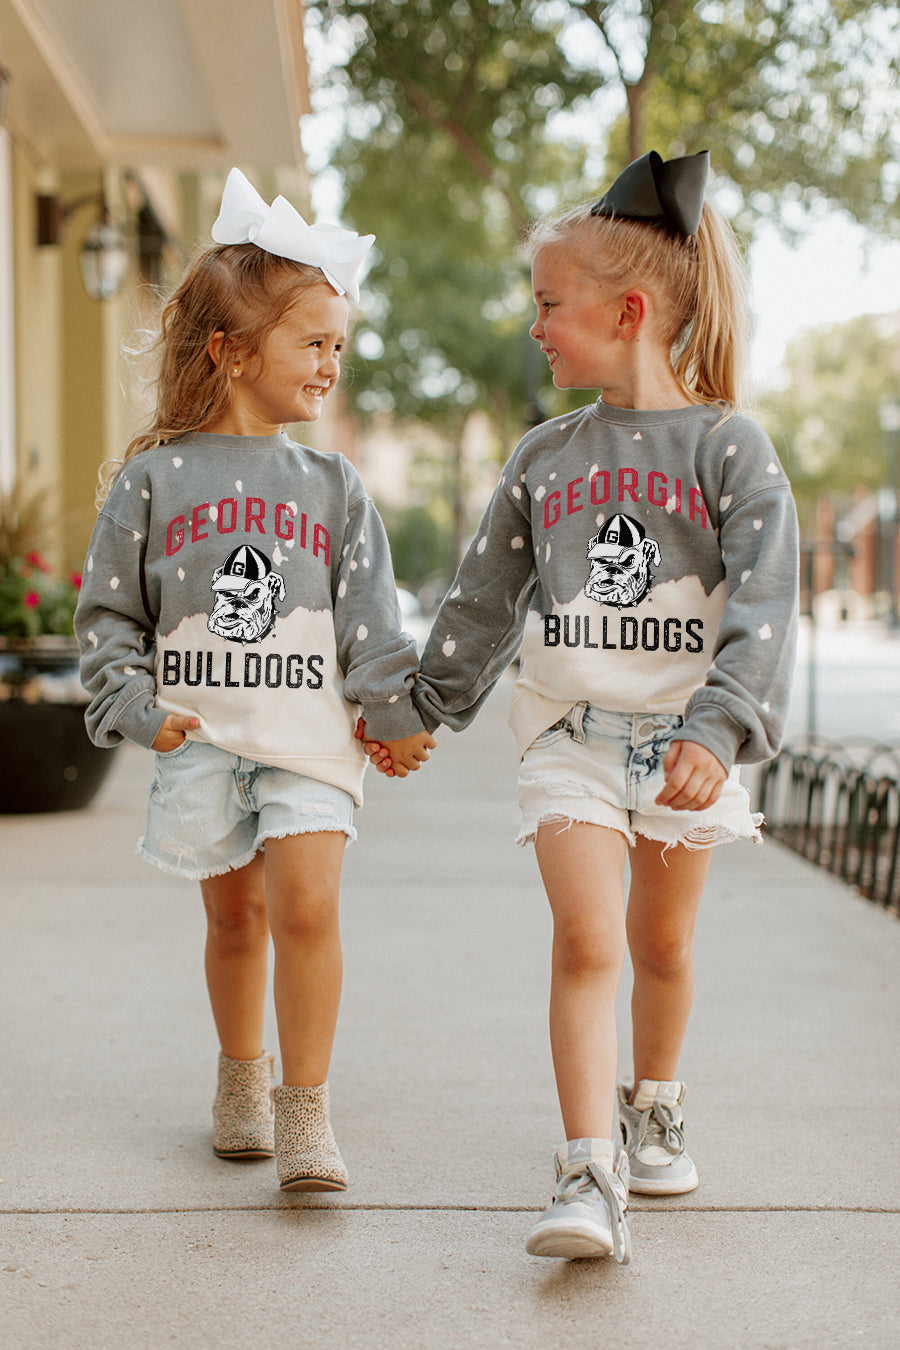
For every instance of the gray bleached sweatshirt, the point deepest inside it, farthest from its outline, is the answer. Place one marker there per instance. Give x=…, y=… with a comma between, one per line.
x=246, y=581
x=647, y=561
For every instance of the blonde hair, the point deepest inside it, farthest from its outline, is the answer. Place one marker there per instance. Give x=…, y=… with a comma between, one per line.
x=237, y=289
x=699, y=284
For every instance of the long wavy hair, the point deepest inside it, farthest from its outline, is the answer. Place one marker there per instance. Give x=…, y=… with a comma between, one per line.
x=237, y=289
x=699, y=284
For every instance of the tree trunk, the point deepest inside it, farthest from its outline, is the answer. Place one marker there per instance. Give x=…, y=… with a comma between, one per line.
x=635, y=95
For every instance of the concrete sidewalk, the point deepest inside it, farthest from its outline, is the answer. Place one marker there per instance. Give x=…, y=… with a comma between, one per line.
x=119, y=1229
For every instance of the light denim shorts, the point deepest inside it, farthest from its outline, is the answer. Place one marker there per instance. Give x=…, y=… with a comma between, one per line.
x=606, y=768
x=211, y=811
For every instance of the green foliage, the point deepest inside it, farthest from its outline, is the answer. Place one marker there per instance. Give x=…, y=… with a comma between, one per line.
x=797, y=103
x=476, y=76
x=422, y=543
x=454, y=102
x=453, y=140
x=826, y=421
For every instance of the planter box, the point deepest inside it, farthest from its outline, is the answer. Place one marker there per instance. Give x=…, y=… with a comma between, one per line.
x=49, y=763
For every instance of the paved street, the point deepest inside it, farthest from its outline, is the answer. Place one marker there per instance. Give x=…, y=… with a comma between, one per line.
x=119, y=1229
x=855, y=682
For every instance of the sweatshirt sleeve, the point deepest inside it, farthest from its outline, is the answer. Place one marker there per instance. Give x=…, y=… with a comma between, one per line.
x=117, y=636
x=378, y=659
x=478, y=628
x=739, y=714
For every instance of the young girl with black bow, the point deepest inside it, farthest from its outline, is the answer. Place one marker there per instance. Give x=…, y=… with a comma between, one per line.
x=642, y=554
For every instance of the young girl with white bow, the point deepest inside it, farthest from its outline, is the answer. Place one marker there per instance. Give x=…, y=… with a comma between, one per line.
x=238, y=614
x=643, y=552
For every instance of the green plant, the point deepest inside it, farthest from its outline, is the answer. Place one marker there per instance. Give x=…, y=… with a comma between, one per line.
x=34, y=602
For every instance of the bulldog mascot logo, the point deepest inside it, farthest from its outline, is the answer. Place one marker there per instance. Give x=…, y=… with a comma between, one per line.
x=620, y=556
x=246, y=589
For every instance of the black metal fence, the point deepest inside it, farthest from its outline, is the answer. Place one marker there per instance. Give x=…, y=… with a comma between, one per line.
x=839, y=807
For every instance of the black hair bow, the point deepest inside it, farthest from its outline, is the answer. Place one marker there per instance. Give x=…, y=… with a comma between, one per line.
x=664, y=192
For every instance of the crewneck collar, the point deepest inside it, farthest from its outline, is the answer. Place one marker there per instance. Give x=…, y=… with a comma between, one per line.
x=206, y=440
x=649, y=417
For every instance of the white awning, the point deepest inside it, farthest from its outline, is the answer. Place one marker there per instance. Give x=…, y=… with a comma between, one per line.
x=179, y=83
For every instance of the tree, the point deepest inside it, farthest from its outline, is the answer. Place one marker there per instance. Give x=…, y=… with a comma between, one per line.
x=454, y=140
x=453, y=103
x=826, y=421
x=797, y=102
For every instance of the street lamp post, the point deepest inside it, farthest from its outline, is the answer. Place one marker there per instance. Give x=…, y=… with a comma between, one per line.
x=889, y=417
x=809, y=550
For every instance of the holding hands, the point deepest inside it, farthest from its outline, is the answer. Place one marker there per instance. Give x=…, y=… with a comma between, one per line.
x=396, y=759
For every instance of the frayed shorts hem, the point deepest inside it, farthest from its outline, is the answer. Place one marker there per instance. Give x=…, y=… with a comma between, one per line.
x=221, y=869
x=210, y=812
x=695, y=838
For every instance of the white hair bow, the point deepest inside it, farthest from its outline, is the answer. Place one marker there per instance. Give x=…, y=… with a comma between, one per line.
x=244, y=218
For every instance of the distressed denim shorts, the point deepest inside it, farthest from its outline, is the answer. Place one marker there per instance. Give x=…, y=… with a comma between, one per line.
x=211, y=811
x=606, y=768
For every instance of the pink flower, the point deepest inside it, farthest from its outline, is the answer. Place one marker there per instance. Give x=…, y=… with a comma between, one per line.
x=32, y=599
x=37, y=561
x=75, y=580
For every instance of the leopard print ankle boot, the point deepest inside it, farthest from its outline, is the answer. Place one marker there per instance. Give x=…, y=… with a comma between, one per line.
x=306, y=1153
x=243, y=1126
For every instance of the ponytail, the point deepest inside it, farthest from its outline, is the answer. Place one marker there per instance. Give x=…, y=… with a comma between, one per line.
x=709, y=353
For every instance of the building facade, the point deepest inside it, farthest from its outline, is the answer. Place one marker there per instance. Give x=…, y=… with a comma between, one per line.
x=120, y=114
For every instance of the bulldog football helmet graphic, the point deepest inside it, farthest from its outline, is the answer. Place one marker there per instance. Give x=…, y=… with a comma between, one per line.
x=620, y=555
x=246, y=588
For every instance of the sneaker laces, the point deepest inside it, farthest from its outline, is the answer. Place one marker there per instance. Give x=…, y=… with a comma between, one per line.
x=660, y=1127
x=614, y=1190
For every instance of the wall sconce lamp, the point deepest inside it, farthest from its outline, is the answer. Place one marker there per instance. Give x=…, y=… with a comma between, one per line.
x=104, y=254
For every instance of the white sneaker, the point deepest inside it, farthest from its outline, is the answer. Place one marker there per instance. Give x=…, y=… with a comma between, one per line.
x=653, y=1136
x=587, y=1214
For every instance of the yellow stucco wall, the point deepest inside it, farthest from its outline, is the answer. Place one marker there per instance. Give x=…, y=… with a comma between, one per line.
x=84, y=372
x=37, y=312
x=72, y=409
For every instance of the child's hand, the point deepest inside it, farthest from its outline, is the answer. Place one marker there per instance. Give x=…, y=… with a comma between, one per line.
x=407, y=754
x=694, y=777
x=378, y=754
x=172, y=732
x=396, y=759
x=380, y=757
